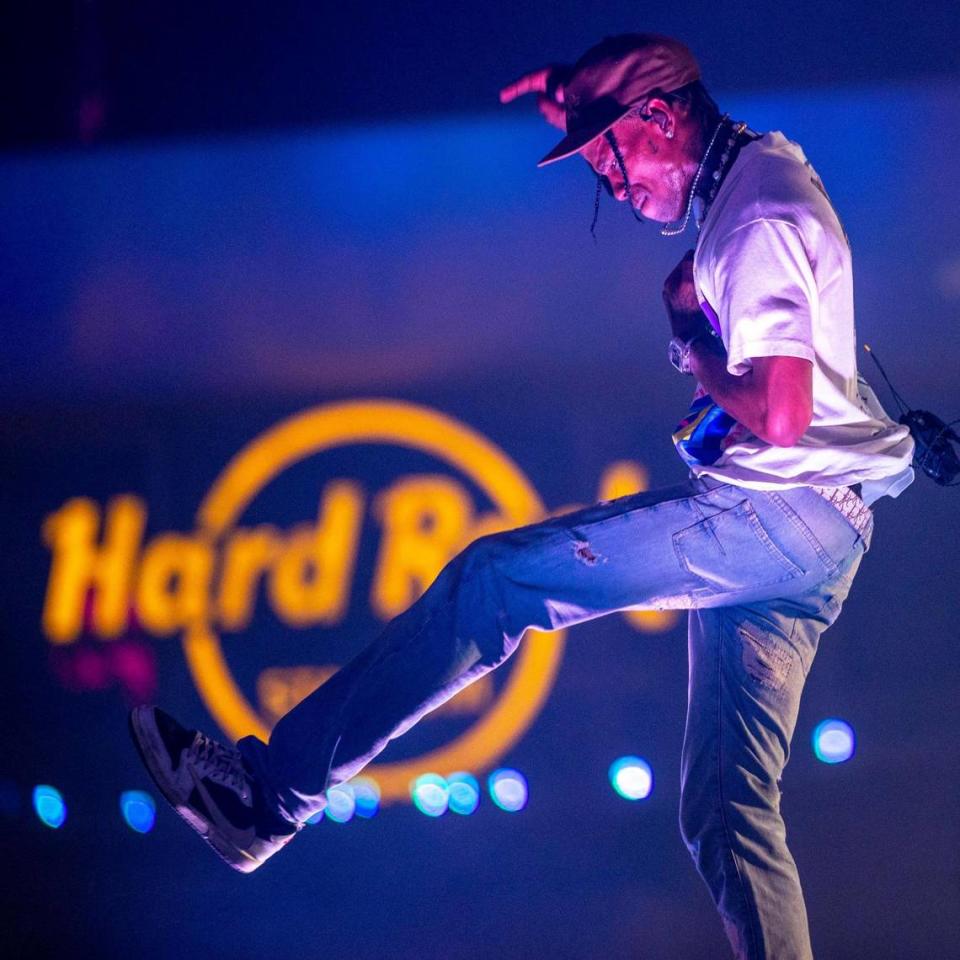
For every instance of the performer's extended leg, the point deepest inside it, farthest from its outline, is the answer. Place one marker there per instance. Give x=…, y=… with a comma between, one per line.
x=748, y=664
x=697, y=544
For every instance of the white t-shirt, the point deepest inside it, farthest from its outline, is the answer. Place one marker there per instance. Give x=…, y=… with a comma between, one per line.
x=773, y=272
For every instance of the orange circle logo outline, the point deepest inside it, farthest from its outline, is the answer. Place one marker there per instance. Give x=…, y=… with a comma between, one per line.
x=380, y=421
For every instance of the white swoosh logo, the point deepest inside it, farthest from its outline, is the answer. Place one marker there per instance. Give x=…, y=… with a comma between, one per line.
x=240, y=838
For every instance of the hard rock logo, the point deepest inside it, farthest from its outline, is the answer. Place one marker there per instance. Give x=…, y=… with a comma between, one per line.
x=205, y=584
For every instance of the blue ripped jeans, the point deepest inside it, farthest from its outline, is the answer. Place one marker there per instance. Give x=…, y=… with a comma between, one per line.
x=763, y=574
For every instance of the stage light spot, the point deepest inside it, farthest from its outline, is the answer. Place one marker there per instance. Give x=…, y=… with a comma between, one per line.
x=341, y=803
x=138, y=809
x=49, y=806
x=366, y=793
x=508, y=789
x=316, y=818
x=464, y=793
x=834, y=741
x=431, y=794
x=632, y=778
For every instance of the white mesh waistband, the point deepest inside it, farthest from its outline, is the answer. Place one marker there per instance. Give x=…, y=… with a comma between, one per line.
x=858, y=514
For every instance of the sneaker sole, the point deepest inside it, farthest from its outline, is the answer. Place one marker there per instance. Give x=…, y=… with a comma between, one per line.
x=149, y=747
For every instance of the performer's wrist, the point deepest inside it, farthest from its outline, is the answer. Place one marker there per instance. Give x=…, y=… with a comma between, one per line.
x=680, y=349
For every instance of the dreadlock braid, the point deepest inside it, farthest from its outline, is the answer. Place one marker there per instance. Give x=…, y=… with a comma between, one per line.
x=596, y=208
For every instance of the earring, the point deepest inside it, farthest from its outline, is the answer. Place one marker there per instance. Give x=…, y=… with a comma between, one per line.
x=669, y=134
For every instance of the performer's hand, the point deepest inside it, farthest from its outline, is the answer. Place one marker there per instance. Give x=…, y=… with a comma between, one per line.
x=680, y=299
x=547, y=83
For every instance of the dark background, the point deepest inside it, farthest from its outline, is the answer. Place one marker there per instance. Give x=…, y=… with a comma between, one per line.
x=213, y=217
x=174, y=68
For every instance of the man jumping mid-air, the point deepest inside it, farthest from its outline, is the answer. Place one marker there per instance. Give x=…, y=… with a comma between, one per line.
x=786, y=447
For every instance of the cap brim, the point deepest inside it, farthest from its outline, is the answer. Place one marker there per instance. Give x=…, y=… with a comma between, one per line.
x=574, y=142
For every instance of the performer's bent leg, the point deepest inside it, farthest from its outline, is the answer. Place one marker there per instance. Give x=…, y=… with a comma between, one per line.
x=468, y=622
x=649, y=550
x=748, y=664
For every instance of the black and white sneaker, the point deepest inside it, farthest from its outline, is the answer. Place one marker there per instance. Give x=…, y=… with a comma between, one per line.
x=208, y=785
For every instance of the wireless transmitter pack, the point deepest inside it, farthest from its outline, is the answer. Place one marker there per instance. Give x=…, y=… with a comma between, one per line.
x=934, y=454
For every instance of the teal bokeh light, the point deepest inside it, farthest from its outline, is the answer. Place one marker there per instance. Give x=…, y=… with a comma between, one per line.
x=431, y=794
x=508, y=789
x=341, y=803
x=632, y=777
x=464, y=793
x=49, y=805
x=366, y=794
x=834, y=741
x=139, y=810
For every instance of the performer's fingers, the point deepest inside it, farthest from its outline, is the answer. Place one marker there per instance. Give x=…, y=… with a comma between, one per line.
x=535, y=82
x=554, y=115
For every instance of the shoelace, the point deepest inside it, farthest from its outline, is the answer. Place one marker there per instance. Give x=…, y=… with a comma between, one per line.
x=222, y=764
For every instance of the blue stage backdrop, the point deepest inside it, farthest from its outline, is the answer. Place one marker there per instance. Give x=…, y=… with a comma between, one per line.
x=257, y=391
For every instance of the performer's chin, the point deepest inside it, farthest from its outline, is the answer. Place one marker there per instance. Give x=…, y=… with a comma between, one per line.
x=638, y=200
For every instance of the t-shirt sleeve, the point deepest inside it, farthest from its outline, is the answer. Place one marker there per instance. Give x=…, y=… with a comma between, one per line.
x=767, y=301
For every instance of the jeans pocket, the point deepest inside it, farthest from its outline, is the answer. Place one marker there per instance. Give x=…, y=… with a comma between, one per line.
x=732, y=551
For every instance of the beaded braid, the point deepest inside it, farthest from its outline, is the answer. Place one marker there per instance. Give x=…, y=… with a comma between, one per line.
x=596, y=208
x=615, y=147
x=618, y=156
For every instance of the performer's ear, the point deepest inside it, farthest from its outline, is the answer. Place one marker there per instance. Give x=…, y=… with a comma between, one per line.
x=659, y=112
